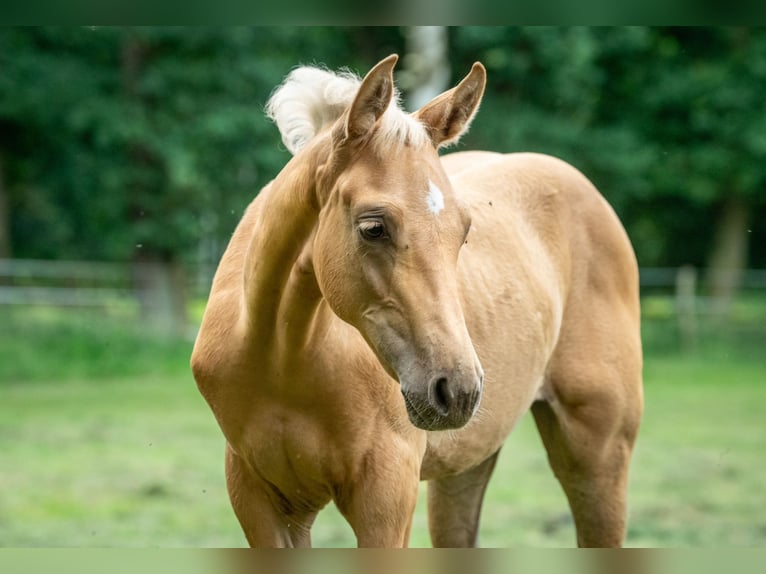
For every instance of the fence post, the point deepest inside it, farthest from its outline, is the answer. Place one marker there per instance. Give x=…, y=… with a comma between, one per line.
x=686, y=293
x=160, y=288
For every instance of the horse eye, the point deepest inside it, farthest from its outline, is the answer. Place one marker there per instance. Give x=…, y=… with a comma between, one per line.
x=372, y=230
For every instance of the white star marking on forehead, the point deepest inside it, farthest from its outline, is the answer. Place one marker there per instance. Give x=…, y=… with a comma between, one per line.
x=435, y=198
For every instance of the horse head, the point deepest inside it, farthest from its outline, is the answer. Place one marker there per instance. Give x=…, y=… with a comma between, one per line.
x=390, y=229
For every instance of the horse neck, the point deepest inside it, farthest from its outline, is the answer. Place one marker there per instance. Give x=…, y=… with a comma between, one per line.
x=281, y=294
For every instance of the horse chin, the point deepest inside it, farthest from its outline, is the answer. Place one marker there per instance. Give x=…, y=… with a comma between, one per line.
x=424, y=417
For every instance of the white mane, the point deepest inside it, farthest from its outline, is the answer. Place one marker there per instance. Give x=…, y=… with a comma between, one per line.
x=311, y=98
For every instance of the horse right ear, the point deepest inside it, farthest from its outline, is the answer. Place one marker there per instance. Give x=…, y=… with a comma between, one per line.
x=372, y=99
x=449, y=115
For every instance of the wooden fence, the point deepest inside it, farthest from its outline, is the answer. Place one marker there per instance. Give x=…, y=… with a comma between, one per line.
x=678, y=300
x=154, y=292
x=64, y=283
x=158, y=294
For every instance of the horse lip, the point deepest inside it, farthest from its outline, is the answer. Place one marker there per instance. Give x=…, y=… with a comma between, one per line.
x=413, y=414
x=436, y=422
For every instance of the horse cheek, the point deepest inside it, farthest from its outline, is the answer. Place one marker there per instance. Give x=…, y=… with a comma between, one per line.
x=333, y=271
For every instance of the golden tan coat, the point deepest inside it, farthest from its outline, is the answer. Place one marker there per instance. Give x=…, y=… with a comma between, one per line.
x=346, y=366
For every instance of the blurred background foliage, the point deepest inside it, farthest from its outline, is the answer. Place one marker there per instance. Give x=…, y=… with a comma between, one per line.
x=123, y=144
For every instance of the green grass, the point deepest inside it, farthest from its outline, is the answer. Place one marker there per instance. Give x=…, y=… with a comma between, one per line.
x=105, y=441
x=43, y=343
x=131, y=462
x=138, y=462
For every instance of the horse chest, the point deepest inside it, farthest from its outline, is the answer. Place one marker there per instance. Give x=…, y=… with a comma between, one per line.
x=288, y=451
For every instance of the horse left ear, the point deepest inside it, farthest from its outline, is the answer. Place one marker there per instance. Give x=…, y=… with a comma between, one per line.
x=449, y=115
x=372, y=99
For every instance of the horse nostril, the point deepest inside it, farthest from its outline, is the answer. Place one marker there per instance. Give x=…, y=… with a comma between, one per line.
x=442, y=398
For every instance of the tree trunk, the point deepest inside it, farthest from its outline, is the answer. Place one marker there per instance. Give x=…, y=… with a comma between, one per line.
x=728, y=258
x=5, y=216
x=426, y=65
x=160, y=280
x=161, y=291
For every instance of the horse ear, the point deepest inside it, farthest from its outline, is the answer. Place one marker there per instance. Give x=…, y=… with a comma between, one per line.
x=449, y=115
x=372, y=99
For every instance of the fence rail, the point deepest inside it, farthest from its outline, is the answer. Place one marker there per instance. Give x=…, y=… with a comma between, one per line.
x=677, y=311
x=155, y=292
x=151, y=292
x=668, y=276
x=53, y=282
x=64, y=283
x=54, y=269
x=62, y=296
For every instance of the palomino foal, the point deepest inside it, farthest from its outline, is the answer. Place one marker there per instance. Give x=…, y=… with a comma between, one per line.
x=383, y=316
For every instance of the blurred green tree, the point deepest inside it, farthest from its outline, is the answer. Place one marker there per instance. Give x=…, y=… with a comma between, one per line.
x=669, y=123
x=705, y=112
x=145, y=144
x=125, y=142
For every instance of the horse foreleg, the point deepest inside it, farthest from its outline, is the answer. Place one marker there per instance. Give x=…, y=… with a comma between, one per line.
x=265, y=522
x=454, y=506
x=379, y=502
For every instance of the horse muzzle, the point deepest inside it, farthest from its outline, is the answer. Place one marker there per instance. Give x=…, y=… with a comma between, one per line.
x=445, y=402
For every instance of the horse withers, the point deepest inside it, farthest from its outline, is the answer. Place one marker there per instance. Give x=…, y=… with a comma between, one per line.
x=384, y=315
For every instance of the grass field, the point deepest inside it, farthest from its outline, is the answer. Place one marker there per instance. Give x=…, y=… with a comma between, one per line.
x=92, y=458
